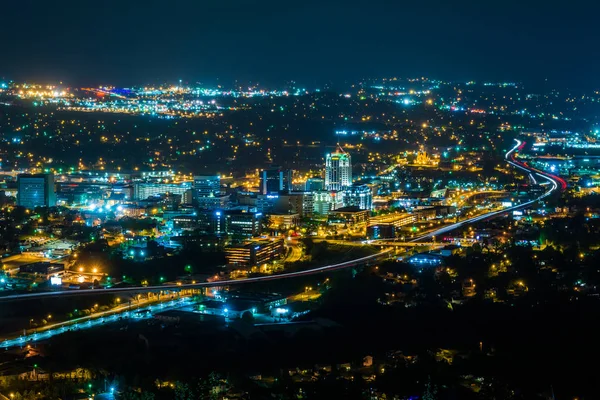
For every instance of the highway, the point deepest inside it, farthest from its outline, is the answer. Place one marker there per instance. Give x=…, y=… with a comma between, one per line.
x=232, y=282
x=553, y=180
x=96, y=320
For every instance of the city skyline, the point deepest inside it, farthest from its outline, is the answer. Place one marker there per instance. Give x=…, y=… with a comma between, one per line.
x=293, y=200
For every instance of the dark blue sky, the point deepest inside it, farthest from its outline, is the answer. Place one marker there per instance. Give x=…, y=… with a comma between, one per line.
x=140, y=41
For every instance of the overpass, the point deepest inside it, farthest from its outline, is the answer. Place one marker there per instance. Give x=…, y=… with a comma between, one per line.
x=230, y=282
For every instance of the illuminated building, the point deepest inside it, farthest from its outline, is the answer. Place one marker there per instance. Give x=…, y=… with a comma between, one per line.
x=348, y=216
x=213, y=202
x=284, y=221
x=360, y=196
x=207, y=186
x=143, y=190
x=239, y=222
x=338, y=171
x=324, y=202
x=36, y=190
x=396, y=219
x=254, y=253
x=274, y=181
x=266, y=202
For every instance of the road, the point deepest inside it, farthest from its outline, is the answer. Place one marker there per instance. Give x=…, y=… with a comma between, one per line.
x=295, y=251
x=140, y=313
x=126, y=306
x=554, y=184
x=231, y=282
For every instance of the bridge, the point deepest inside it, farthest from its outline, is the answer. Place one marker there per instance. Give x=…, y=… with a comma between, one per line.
x=218, y=283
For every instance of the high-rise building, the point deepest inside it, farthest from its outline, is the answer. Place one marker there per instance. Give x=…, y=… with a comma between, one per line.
x=275, y=180
x=207, y=185
x=36, y=190
x=338, y=171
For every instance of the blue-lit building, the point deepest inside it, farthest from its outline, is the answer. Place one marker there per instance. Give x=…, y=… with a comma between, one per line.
x=36, y=190
x=360, y=196
x=275, y=180
x=207, y=186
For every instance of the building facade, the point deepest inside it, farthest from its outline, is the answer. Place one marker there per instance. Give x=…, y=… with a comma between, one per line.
x=338, y=171
x=143, y=190
x=36, y=190
x=254, y=253
x=274, y=180
x=207, y=186
x=360, y=196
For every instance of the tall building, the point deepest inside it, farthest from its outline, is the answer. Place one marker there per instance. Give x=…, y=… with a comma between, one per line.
x=207, y=186
x=275, y=180
x=338, y=171
x=36, y=190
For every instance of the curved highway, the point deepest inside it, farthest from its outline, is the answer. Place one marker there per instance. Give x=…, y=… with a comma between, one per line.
x=554, y=181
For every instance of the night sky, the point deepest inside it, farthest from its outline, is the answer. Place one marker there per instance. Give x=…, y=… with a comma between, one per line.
x=313, y=42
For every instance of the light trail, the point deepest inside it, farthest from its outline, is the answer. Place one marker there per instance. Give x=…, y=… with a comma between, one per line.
x=553, y=180
x=231, y=282
x=141, y=313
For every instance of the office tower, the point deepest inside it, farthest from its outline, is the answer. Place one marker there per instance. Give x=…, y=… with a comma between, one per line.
x=338, y=171
x=207, y=186
x=275, y=180
x=36, y=190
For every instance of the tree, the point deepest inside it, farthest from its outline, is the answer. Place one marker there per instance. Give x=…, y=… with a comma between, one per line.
x=248, y=317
